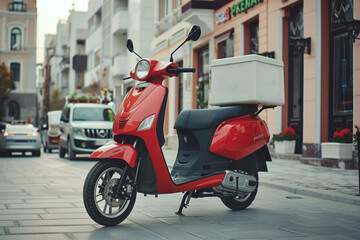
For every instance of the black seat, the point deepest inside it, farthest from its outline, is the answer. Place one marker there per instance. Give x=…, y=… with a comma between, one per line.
x=209, y=118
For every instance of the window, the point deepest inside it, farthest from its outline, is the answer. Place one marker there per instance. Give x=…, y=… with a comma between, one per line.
x=15, y=41
x=164, y=9
x=97, y=57
x=254, y=37
x=17, y=5
x=15, y=69
x=203, y=77
x=225, y=45
x=14, y=109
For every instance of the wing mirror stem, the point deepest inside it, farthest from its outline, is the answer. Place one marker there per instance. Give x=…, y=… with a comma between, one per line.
x=130, y=47
x=194, y=35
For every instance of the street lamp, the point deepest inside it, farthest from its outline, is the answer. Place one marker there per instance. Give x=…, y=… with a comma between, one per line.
x=303, y=44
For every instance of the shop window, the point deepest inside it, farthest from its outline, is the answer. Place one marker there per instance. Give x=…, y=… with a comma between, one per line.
x=202, y=93
x=15, y=69
x=342, y=64
x=254, y=37
x=15, y=40
x=225, y=44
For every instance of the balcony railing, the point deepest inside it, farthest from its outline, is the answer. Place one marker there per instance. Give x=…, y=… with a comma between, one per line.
x=17, y=6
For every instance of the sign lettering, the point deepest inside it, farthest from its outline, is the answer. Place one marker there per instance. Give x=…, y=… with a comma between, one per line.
x=237, y=8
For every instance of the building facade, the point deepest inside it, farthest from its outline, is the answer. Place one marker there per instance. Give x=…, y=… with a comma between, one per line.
x=321, y=58
x=110, y=24
x=18, y=20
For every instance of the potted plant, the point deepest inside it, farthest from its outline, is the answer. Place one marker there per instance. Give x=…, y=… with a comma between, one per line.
x=72, y=98
x=285, y=141
x=83, y=99
x=339, y=146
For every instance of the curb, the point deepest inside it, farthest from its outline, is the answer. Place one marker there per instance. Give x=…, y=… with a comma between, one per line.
x=348, y=199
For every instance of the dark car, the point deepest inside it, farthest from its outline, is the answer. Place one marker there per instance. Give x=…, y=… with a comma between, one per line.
x=20, y=138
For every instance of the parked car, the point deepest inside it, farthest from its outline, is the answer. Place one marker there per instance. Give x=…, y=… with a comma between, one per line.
x=20, y=138
x=50, y=133
x=84, y=127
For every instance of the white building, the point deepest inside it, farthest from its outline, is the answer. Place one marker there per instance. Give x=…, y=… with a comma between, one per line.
x=110, y=24
x=65, y=55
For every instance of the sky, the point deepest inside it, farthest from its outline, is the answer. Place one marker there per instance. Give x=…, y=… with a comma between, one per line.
x=49, y=12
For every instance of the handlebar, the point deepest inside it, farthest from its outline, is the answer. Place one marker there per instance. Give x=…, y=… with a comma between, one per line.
x=178, y=70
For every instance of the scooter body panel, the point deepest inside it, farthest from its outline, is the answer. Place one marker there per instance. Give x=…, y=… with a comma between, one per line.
x=139, y=104
x=125, y=152
x=237, y=138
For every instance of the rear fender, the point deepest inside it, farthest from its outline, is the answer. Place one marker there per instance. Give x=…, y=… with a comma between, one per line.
x=125, y=152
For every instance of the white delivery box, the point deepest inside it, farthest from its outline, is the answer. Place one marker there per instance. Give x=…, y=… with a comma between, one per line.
x=248, y=79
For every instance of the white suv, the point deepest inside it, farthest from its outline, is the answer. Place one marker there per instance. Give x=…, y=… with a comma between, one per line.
x=84, y=127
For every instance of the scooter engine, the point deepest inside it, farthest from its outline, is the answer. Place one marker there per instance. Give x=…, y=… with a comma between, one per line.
x=236, y=183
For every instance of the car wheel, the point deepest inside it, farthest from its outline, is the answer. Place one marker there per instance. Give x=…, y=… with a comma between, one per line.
x=71, y=153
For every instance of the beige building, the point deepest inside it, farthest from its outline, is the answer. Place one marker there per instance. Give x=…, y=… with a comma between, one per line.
x=18, y=20
x=321, y=58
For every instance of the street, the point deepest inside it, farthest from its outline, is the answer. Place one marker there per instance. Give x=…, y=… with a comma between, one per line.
x=41, y=198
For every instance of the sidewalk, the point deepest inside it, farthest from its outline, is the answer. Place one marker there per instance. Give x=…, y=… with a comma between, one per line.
x=292, y=176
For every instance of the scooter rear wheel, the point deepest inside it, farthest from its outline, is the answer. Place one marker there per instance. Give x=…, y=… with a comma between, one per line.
x=240, y=203
x=98, y=193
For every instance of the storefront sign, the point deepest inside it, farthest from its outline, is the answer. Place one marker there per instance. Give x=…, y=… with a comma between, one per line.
x=237, y=8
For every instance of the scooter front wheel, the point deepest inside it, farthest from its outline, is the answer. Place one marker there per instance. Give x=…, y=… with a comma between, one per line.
x=100, y=199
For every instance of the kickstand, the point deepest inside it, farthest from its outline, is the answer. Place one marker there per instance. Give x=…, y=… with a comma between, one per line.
x=184, y=202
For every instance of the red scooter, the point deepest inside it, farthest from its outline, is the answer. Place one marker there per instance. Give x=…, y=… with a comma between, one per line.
x=221, y=150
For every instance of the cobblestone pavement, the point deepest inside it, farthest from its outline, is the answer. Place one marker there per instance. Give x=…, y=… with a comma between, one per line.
x=41, y=198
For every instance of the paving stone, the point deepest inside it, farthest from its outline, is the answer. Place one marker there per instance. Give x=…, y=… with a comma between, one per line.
x=21, y=211
x=35, y=237
x=165, y=230
x=20, y=217
x=40, y=205
x=66, y=210
x=55, y=200
x=57, y=222
x=50, y=229
x=8, y=201
x=105, y=234
x=315, y=231
x=7, y=224
x=259, y=233
x=65, y=216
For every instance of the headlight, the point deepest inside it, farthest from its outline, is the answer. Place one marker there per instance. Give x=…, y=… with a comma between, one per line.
x=142, y=69
x=77, y=130
x=146, y=123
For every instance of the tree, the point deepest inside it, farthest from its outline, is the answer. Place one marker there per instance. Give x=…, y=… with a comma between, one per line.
x=56, y=102
x=6, y=85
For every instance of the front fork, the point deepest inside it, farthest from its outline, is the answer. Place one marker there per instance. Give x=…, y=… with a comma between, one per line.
x=120, y=188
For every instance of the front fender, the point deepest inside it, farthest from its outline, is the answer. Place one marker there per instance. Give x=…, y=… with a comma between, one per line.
x=125, y=152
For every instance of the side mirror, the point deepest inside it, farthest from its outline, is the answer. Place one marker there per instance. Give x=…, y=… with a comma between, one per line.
x=130, y=45
x=194, y=34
